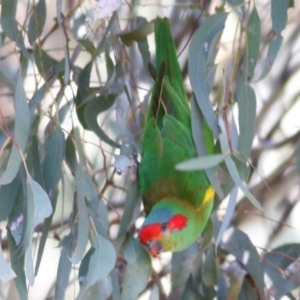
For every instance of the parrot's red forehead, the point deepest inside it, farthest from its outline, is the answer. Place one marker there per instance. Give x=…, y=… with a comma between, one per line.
x=149, y=232
x=156, y=230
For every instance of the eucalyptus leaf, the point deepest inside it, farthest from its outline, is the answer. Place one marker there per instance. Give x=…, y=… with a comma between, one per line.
x=91, y=112
x=238, y=244
x=6, y=272
x=279, y=18
x=201, y=163
x=37, y=21
x=54, y=154
x=21, y=132
x=198, y=53
x=232, y=167
x=83, y=218
x=252, y=44
x=138, y=269
x=247, y=115
x=17, y=264
x=100, y=265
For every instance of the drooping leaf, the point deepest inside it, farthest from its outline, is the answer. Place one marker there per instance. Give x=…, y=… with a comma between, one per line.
x=132, y=204
x=8, y=195
x=182, y=266
x=137, y=270
x=83, y=218
x=201, y=163
x=279, y=18
x=91, y=112
x=101, y=262
x=17, y=264
x=252, y=44
x=21, y=132
x=6, y=272
x=276, y=263
x=38, y=208
x=232, y=167
x=54, y=154
x=238, y=244
x=247, y=114
x=138, y=34
x=228, y=215
x=198, y=53
x=64, y=268
x=202, y=136
x=37, y=21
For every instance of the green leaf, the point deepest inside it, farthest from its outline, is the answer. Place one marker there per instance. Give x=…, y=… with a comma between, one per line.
x=229, y=213
x=83, y=218
x=16, y=217
x=6, y=272
x=238, y=244
x=252, y=44
x=182, y=266
x=276, y=263
x=8, y=22
x=131, y=208
x=37, y=98
x=247, y=115
x=38, y=208
x=91, y=112
x=101, y=262
x=37, y=21
x=279, y=18
x=139, y=34
x=42, y=203
x=201, y=163
x=54, y=154
x=17, y=264
x=232, y=167
x=64, y=268
x=70, y=154
x=298, y=159
x=203, y=139
x=198, y=52
x=21, y=132
x=8, y=195
x=138, y=269
x=46, y=227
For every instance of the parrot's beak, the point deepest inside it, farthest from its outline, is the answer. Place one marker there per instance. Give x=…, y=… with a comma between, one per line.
x=155, y=248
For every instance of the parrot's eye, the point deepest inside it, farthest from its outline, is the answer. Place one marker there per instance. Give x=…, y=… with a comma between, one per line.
x=149, y=242
x=164, y=227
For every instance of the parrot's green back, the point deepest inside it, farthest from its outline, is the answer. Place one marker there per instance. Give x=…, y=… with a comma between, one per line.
x=168, y=140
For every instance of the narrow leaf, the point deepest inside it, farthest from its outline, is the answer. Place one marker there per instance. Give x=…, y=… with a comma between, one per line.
x=201, y=163
x=17, y=264
x=247, y=112
x=54, y=154
x=279, y=18
x=21, y=132
x=252, y=44
x=6, y=272
x=232, y=167
x=228, y=215
x=101, y=262
x=198, y=53
x=83, y=218
x=91, y=112
x=37, y=21
x=138, y=269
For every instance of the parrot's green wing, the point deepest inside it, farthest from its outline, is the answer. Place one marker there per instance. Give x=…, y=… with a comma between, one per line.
x=168, y=138
x=177, y=204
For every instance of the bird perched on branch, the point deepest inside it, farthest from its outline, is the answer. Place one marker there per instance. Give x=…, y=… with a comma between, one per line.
x=177, y=204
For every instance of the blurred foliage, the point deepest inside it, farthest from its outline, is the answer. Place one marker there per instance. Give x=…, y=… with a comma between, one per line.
x=74, y=95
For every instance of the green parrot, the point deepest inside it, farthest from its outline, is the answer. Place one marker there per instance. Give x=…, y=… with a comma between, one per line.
x=177, y=204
